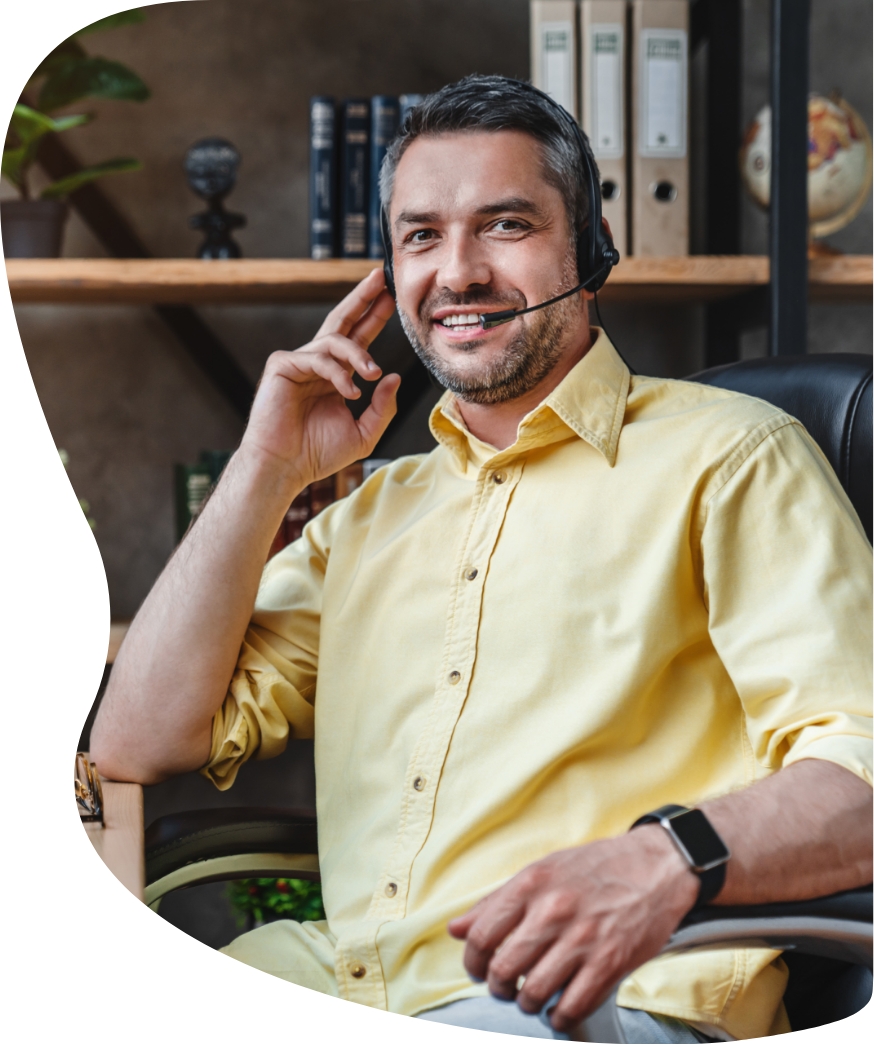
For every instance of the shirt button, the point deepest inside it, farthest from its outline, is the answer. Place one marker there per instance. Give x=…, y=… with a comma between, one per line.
x=471, y=573
x=419, y=783
x=499, y=477
x=357, y=970
x=454, y=678
x=391, y=889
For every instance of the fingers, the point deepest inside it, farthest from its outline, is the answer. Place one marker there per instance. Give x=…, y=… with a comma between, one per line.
x=364, y=332
x=498, y=916
x=328, y=358
x=383, y=406
x=343, y=317
x=519, y=952
x=586, y=991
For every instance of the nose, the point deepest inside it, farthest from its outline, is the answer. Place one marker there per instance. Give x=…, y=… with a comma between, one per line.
x=463, y=263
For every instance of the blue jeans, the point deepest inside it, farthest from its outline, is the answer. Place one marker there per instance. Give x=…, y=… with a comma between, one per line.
x=492, y=1014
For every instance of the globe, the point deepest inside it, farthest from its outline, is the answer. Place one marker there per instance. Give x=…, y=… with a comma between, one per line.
x=838, y=162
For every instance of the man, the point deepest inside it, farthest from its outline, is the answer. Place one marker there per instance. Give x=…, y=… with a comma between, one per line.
x=598, y=594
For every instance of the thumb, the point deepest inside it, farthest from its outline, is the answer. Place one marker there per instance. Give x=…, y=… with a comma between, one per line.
x=383, y=407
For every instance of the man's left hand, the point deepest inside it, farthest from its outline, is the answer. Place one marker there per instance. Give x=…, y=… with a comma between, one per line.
x=578, y=921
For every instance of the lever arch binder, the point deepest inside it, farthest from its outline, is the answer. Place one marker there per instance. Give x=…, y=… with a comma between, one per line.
x=660, y=128
x=603, y=103
x=554, y=51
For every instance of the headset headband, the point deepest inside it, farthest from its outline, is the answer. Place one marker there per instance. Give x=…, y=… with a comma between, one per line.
x=596, y=254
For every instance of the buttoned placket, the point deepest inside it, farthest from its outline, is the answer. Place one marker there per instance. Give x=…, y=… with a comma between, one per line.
x=358, y=969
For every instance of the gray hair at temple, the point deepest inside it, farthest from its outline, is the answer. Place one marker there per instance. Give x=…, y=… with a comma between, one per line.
x=495, y=103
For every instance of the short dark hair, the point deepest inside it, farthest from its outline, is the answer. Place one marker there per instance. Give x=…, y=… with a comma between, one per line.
x=496, y=103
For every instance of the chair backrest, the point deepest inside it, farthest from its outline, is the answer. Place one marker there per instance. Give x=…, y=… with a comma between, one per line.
x=830, y=394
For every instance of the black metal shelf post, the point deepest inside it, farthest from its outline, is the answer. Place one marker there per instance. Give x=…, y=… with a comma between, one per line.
x=790, y=44
x=719, y=22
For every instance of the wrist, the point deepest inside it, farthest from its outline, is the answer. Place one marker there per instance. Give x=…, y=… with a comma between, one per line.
x=682, y=885
x=267, y=474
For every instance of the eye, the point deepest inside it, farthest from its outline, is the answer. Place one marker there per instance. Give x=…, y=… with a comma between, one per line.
x=420, y=236
x=508, y=225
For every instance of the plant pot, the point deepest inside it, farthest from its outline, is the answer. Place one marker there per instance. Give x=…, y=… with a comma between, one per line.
x=32, y=228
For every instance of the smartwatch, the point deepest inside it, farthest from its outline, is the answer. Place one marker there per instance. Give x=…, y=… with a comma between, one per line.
x=701, y=847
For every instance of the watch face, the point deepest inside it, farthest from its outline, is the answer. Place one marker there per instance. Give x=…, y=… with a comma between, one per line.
x=701, y=842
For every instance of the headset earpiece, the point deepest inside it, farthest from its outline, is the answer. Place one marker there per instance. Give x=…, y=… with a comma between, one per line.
x=388, y=266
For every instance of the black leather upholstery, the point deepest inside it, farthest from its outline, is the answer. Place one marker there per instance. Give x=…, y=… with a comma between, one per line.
x=853, y=905
x=830, y=395
x=200, y=834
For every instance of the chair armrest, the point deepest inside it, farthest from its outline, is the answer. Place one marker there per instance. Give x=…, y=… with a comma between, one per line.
x=205, y=845
x=837, y=926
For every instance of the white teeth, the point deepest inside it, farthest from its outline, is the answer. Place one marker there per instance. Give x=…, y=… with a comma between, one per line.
x=471, y=320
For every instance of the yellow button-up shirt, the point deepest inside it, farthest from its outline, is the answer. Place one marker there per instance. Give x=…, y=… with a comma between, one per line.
x=659, y=593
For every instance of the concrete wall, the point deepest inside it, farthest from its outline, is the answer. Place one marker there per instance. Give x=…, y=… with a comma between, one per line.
x=118, y=392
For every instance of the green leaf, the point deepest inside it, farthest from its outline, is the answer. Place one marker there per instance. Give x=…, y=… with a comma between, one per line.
x=29, y=126
x=113, y=21
x=75, y=181
x=91, y=78
x=55, y=59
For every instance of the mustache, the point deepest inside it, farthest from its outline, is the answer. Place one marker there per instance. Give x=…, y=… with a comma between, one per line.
x=478, y=300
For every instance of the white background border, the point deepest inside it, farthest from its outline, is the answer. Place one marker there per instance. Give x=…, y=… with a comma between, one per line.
x=85, y=961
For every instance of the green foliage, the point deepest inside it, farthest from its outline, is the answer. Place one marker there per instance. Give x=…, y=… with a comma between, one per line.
x=113, y=21
x=29, y=127
x=75, y=181
x=265, y=899
x=69, y=74
x=87, y=77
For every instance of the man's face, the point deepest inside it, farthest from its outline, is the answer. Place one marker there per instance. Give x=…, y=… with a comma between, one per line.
x=476, y=228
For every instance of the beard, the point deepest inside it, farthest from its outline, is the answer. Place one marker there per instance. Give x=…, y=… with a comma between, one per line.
x=531, y=354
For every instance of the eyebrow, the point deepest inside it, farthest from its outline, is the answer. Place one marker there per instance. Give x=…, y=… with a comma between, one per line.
x=513, y=204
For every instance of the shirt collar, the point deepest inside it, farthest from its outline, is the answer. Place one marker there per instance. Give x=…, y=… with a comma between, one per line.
x=589, y=403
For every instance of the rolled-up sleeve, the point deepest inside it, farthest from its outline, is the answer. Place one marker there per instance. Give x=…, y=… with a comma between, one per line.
x=271, y=696
x=787, y=578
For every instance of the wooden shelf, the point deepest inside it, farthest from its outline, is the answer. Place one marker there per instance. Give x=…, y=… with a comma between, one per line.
x=699, y=278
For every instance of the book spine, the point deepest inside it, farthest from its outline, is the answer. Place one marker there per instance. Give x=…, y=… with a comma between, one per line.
x=354, y=170
x=193, y=483
x=323, y=178
x=384, y=119
x=407, y=102
x=297, y=516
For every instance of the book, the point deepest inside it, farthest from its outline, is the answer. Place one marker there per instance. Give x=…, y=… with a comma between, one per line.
x=407, y=102
x=384, y=120
x=323, y=178
x=660, y=117
x=603, y=100
x=554, y=51
x=354, y=171
x=192, y=483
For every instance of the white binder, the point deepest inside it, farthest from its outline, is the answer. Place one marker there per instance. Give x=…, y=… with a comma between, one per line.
x=660, y=128
x=603, y=32
x=554, y=51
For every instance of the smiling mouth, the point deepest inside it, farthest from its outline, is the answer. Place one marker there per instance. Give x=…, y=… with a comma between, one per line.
x=461, y=323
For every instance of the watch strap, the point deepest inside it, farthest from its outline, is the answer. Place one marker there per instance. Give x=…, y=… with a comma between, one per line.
x=711, y=881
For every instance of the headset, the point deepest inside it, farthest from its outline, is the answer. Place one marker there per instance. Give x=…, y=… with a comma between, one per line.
x=596, y=254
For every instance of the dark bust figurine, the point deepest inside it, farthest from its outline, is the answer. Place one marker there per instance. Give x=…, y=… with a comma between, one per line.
x=211, y=166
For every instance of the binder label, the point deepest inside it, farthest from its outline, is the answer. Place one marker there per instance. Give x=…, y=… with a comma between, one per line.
x=663, y=92
x=605, y=64
x=557, y=57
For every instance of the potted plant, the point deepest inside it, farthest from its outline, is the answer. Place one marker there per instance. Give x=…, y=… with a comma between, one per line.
x=32, y=227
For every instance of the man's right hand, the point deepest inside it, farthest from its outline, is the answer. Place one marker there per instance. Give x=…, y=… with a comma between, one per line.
x=299, y=415
x=173, y=670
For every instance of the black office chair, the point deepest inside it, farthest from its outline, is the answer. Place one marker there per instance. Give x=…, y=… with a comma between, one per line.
x=826, y=942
